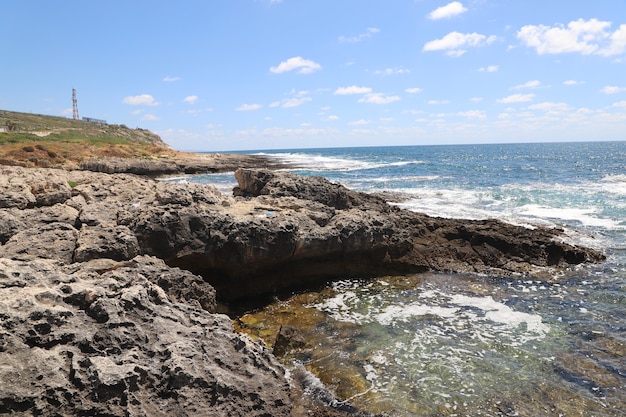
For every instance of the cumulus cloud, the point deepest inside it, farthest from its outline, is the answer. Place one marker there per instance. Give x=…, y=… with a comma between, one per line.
x=358, y=38
x=473, y=114
x=378, y=98
x=620, y=104
x=353, y=89
x=304, y=66
x=169, y=79
x=612, y=89
x=150, y=118
x=140, y=100
x=455, y=43
x=291, y=102
x=413, y=90
x=248, y=107
x=392, y=71
x=517, y=98
x=550, y=107
x=361, y=122
x=529, y=84
x=435, y=102
x=572, y=82
x=449, y=10
x=582, y=36
x=490, y=68
x=191, y=99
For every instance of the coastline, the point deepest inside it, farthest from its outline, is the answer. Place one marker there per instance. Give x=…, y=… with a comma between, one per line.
x=75, y=231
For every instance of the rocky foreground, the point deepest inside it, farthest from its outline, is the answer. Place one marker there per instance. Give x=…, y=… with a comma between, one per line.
x=109, y=282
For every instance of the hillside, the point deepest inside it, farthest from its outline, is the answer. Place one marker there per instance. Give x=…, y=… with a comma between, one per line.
x=39, y=140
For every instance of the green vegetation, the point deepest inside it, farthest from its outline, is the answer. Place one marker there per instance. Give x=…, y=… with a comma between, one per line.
x=38, y=140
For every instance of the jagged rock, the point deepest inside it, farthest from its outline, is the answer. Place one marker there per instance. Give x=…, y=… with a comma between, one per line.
x=53, y=241
x=113, y=343
x=256, y=182
x=113, y=242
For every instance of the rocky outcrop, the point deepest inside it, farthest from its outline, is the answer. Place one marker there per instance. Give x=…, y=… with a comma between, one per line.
x=87, y=327
x=108, y=282
x=107, y=339
x=198, y=164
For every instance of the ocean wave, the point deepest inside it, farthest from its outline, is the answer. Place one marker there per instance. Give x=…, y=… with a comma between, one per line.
x=329, y=163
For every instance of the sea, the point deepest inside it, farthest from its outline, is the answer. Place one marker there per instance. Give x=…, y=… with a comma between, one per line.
x=436, y=344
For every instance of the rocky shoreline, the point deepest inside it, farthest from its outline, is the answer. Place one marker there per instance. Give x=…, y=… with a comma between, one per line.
x=110, y=282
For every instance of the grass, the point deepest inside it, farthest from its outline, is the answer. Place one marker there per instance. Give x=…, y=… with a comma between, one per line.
x=40, y=140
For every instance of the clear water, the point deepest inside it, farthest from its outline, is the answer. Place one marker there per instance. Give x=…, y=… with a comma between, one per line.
x=438, y=344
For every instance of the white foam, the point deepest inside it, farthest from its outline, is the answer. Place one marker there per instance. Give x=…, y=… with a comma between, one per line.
x=583, y=215
x=405, y=312
x=329, y=163
x=615, y=184
x=501, y=313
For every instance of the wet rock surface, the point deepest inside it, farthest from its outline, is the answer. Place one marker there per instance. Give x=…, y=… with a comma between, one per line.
x=108, y=282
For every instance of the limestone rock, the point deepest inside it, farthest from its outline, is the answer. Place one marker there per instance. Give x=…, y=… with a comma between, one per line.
x=115, y=344
x=113, y=242
x=53, y=241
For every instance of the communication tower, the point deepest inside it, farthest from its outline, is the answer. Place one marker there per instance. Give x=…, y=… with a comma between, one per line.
x=74, y=105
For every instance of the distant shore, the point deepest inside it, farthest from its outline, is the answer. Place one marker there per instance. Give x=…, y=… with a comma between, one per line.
x=181, y=163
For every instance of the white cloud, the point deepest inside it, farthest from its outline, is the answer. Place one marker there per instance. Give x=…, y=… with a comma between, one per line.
x=361, y=122
x=358, y=38
x=353, y=89
x=191, y=99
x=413, y=90
x=583, y=36
x=612, y=89
x=304, y=66
x=169, y=79
x=392, y=71
x=620, y=104
x=455, y=43
x=291, y=102
x=477, y=99
x=573, y=82
x=529, y=84
x=331, y=118
x=449, y=10
x=517, y=98
x=434, y=102
x=550, y=107
x=248, y=107
x=378, y=98
x=473, y=114
x=490, y=68
x=140, y=100
x=150, y=117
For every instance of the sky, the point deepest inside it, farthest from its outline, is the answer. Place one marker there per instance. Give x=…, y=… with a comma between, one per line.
x=219, y=75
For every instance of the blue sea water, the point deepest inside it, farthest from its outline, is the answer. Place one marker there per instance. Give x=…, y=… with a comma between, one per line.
x=439, y=344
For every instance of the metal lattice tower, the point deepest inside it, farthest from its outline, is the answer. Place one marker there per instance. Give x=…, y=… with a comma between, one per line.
x=74, y=105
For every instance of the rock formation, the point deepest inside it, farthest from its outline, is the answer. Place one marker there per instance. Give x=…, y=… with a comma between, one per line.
x=108, y=282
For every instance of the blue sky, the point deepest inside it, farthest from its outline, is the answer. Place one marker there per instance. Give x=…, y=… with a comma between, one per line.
x=220, y=75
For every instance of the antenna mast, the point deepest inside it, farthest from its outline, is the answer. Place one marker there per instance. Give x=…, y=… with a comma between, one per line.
x=74, y=105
